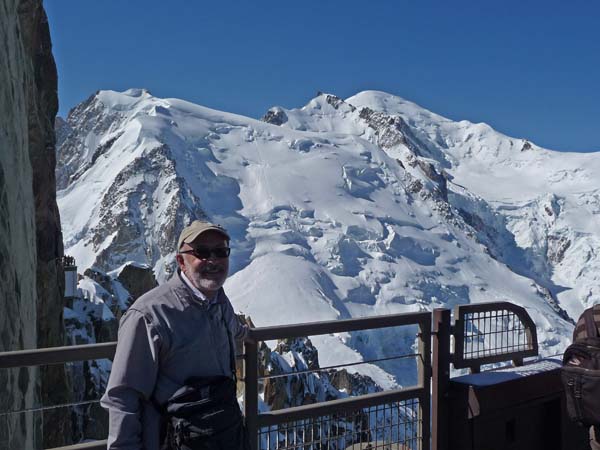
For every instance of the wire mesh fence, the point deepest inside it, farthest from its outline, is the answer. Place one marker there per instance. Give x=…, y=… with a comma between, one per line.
x=388, y=426
x=492, y=333
x=487, y=333
x=336, y=410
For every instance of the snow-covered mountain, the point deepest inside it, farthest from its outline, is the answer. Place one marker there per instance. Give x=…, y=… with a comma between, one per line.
x=341, y=208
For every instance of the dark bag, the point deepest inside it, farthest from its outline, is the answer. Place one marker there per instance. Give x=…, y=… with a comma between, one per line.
x=205, y=415
x=581, y=371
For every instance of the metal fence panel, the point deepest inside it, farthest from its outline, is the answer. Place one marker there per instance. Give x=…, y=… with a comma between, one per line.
x=397, y=419
x=488, y=333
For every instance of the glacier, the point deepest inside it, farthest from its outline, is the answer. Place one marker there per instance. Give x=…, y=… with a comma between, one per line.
x=341, y=208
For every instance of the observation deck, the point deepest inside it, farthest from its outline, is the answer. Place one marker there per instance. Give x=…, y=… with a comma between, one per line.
x=502, y=394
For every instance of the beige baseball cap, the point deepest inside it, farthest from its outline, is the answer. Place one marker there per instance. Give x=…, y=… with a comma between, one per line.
x=196, y=228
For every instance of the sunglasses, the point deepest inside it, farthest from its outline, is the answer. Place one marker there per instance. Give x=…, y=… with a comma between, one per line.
x=205, y=253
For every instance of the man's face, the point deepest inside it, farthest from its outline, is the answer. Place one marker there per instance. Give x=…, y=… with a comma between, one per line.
x=207, y=274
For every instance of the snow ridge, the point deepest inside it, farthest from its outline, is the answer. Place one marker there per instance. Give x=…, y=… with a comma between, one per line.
x=341, y=208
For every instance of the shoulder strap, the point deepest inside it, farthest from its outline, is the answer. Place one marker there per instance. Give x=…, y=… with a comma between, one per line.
x=590, y=324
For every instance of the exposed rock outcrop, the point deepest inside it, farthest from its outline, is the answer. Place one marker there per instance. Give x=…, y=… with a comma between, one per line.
x=30, y=236
x=391, y=131
x=294, y=378
x=137, y=280
x=17, y=234
x=75, y=153
x=275, y=116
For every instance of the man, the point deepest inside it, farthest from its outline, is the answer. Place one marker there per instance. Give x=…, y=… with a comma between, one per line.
x=180, y=329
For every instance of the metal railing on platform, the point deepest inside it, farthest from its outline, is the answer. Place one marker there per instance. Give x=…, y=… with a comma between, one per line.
x=394, y=419
x=59, y=355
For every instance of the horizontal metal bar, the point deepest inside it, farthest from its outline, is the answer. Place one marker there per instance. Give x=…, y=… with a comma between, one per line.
x=490, y=307
x=96, y=445
x=333, y=406
x=337, y=366
x=337, y=326
x=47, y=408
x=57, y=355
x=465, y=363
x=60, y=355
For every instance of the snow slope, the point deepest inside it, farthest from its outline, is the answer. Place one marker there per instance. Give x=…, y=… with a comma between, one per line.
x=549, y=201
x=339, y=209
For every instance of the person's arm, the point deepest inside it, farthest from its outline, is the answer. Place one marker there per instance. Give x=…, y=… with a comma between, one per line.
x=132, y=380
x=238, y=329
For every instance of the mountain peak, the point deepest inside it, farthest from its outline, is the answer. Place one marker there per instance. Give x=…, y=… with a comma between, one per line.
x=369, y=205
x=393, y=105
x=326, y=102
x=123, y=100
x=137, y=92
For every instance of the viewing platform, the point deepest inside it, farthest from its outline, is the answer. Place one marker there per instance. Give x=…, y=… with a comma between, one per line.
x=502, y=396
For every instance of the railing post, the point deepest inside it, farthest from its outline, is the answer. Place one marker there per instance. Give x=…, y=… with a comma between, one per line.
x=440, y=378
x=251, y=391
x=424, y=373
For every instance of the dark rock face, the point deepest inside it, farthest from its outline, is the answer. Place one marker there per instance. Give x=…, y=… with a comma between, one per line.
x=391, y=131
x=352, y=383
x=557, y=247
x=294, y=379
x=30, y=237
x=303, y=346
x=429, y=170
x=137, y=280
x=336, y=102
x=50, y=277
x=291, y=376
x=275, y=116
x=17, y=234
x=128, y=231
x=74, y=155
x=62, y=129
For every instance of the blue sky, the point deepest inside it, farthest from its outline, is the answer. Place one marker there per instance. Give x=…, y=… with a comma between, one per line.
x=529, y=69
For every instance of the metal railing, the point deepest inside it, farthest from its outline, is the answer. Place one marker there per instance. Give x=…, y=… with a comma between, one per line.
x=57, y=355
x=60, y=355
x=394, y=419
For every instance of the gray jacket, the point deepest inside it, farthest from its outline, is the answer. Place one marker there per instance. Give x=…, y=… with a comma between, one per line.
x=166, y=336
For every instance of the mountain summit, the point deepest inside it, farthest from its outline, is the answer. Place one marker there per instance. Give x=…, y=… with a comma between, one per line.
x=341, y=208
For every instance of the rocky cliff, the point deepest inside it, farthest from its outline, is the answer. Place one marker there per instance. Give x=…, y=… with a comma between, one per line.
x=30, y=234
